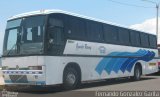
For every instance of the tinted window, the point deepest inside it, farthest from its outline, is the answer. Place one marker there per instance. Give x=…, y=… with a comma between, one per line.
x=33, y=34
x=124, y=36
x=153, y=41
x=94, y=31
x=110, y=33
x=144, y=40
x=33, y=29
x=56, y=37
x=12, y=39
x=135, y=38
x=76, y=28
x=55, y=31
x=14, y=23
x=54, y=22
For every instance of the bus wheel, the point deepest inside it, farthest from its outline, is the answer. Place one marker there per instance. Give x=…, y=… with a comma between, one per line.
x=71, y=78
x=137, y=73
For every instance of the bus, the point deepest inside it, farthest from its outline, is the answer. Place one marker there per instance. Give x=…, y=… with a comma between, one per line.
x=55, y=47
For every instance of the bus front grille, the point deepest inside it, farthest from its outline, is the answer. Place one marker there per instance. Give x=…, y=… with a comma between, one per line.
x=18, y=78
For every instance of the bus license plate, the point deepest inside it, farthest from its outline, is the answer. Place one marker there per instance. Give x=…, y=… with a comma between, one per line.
x=152, y=64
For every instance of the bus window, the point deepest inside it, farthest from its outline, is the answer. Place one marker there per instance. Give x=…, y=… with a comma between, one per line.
x=110, y=33
x=34, y=34
x=144, y=40
x=12, y=39
x=94, y=31
x=76, y=28
x=135, y=38
x=153, y=41
x=55, y=36
x=55, y=31
x=124, y=36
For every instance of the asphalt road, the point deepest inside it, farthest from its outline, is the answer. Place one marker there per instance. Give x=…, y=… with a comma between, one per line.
x=147, y=83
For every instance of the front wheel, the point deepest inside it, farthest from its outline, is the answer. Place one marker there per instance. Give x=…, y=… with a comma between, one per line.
x=137, y=73
x=71, y=78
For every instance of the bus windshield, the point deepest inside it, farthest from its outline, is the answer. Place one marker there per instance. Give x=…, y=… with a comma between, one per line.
x=24, y=36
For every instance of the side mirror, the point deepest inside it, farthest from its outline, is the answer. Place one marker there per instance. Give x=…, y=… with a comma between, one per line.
x=51, y=41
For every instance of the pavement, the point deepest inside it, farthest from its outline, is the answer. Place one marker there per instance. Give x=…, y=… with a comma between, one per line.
x=147, y=83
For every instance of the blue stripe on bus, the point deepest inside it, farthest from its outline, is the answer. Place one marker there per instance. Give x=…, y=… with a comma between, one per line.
x=36, y=82
x=104, y=62
x=116, y=62
x=119, y=63
x=147, y=57
x=22, y=72
x=112, y=63
x=139, y=53
x=123, y=64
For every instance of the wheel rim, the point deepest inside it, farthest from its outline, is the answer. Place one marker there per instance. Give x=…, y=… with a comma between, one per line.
x=71, y=78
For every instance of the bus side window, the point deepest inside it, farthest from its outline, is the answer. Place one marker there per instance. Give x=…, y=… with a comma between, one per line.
x=144, y=40
x=55, y=32
x=110, y=34
x=153, y=41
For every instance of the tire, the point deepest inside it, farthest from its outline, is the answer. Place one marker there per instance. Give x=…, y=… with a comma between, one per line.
x=137, y=73
x=71, y=78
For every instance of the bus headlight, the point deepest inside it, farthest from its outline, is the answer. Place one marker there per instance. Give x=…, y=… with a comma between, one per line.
x=35, y=67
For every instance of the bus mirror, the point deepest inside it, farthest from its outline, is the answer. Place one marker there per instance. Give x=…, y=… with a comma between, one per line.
x=51, y=41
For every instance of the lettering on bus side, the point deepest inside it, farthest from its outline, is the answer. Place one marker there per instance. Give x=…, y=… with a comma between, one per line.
x=83, y=46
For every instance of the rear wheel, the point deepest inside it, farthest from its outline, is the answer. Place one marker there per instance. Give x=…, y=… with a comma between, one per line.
x=71, y=78
x=137, y=73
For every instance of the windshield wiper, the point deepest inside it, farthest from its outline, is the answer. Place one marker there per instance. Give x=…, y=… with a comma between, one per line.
x=15, y=45
x=11, y=48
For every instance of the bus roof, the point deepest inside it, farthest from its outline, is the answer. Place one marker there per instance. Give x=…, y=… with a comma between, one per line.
x=45, y=12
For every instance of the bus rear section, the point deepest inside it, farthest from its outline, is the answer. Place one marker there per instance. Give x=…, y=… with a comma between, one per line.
x=23, y=71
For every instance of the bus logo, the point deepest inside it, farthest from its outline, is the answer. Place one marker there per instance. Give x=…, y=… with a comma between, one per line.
x=17, y=67
x=102, y=50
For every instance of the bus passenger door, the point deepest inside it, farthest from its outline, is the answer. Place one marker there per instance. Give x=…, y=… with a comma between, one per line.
x=55, y=37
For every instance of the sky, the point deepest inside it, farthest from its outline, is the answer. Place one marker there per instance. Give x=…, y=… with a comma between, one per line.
x=138, y=14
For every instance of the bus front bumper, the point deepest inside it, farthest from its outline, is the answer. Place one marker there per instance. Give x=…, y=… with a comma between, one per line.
x=24, y=77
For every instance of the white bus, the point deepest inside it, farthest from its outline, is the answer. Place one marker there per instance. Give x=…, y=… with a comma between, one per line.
x=53, y=47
